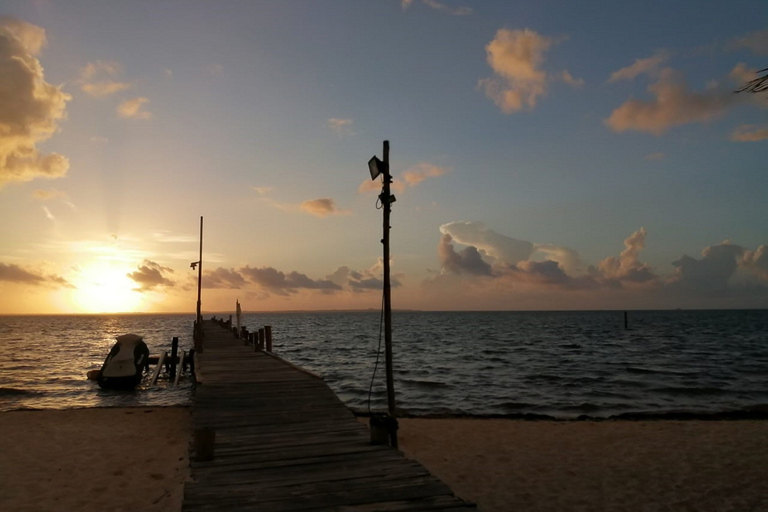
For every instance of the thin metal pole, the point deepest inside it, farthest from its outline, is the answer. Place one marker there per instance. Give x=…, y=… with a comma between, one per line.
x=200, y=274
x=387, y=293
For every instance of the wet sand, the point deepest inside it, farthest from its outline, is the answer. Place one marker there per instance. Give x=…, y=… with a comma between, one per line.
x=132, y=459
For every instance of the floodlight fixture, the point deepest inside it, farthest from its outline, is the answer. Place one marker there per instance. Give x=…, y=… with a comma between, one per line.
x=375, y=166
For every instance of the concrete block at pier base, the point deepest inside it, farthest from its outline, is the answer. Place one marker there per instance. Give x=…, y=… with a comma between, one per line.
x=204, y=442
x=381, y=426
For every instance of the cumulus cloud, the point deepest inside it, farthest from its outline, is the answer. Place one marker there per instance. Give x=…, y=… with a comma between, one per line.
x=501, y=247
x=281, y=283
x=321, y=207
x=650, y=66
x=29, y=106
x=134, y=109
x=755, y=41
x=342, y=127
x=15, y=274
x=749, y=133
x=150, y=276
x=627, y=267
x=223, y=278
x=516, y=56
x=368, y=279
x=757, y=261
x=673, y=104
x=467, y=261
x=98, y=78
x=710, y=273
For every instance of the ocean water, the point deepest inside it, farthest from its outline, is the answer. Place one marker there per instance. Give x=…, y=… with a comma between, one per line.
x=563, y=364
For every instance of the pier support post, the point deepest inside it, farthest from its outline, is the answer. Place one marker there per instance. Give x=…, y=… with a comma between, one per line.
x=261, y=338
x=204, y=442
x=268, y=335
x=174, y=355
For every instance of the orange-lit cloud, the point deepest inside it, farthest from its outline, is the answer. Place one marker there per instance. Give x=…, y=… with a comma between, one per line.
x=409, y=178
x=673, y=104
x=422, y=171
x=150, y=275
x=569, y=79
x=134, y=109
x=15, y=274
x=750, y=133
x=322, y=207
x=516, y=56
x=650, y=66
x=280, y=283
x=97, y=78
x=439, y=6
x=29, y=106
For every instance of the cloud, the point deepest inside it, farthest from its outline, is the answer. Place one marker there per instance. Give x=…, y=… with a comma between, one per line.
x=467, y=261
x=500, y=247
x=322, y=207
x=97, y=78
x=262, y=191
x=516, y=56
x=410, y=178
x=422, y=171
x=627, y=267
x=150, y=276
x=342, y=127
x=650, y=66
x=755, y=41
x=673, y=104
x=566, y=77
x=368, y=279
x=280, y=283
x=749, y=133
x=29, y=106
x=711, y=273
x=15, y=274
x=456, y=11
x=45, y=195
x=134, y=109
x=223, y=278
x=757, y=261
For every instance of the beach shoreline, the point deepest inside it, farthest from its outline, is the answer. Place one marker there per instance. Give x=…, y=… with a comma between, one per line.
x=107, y=459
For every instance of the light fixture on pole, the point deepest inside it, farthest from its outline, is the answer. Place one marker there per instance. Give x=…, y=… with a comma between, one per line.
x=381, y=167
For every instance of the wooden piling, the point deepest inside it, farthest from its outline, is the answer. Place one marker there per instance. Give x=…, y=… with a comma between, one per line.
x=626, y=321
x=261, y=338
x=204, y=442
x=268, y=335
x=174, y=355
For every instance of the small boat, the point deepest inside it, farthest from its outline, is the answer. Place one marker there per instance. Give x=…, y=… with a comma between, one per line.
x=123, y=367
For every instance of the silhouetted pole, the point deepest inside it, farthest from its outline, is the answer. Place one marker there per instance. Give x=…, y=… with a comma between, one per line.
x=200, y=275
x=387, y=204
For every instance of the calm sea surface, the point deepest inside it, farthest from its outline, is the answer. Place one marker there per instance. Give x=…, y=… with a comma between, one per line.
x=563, y=364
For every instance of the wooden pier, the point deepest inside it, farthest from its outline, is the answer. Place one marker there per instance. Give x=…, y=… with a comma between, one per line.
x=285, y=442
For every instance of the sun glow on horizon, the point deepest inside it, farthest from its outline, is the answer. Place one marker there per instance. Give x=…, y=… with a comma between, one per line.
x=106, y=288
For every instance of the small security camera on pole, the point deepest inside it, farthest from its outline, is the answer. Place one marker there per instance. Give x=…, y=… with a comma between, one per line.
x=376, y=168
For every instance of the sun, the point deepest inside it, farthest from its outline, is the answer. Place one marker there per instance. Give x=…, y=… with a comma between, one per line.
x=106, y=288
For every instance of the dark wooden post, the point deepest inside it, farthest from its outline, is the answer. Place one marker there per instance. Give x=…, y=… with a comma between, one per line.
x=205, y=441
x=387, y=206
x=268, y=335
x=626, y=321
x=174, y=355
x=261, y=338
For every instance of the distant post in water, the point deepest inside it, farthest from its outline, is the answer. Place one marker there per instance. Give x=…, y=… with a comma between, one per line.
x=626, y=321
x=377, y=167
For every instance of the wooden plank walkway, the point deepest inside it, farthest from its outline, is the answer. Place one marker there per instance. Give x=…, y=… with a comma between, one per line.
x=285, y=442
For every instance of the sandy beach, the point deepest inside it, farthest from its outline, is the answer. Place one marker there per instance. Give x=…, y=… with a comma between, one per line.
x=94, y=459
x=512, y=465
x=137, y=459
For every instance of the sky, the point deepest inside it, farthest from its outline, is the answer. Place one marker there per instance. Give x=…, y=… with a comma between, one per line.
x=545, y=155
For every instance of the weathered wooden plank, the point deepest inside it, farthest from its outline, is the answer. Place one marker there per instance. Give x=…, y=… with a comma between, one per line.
x=284, y=441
